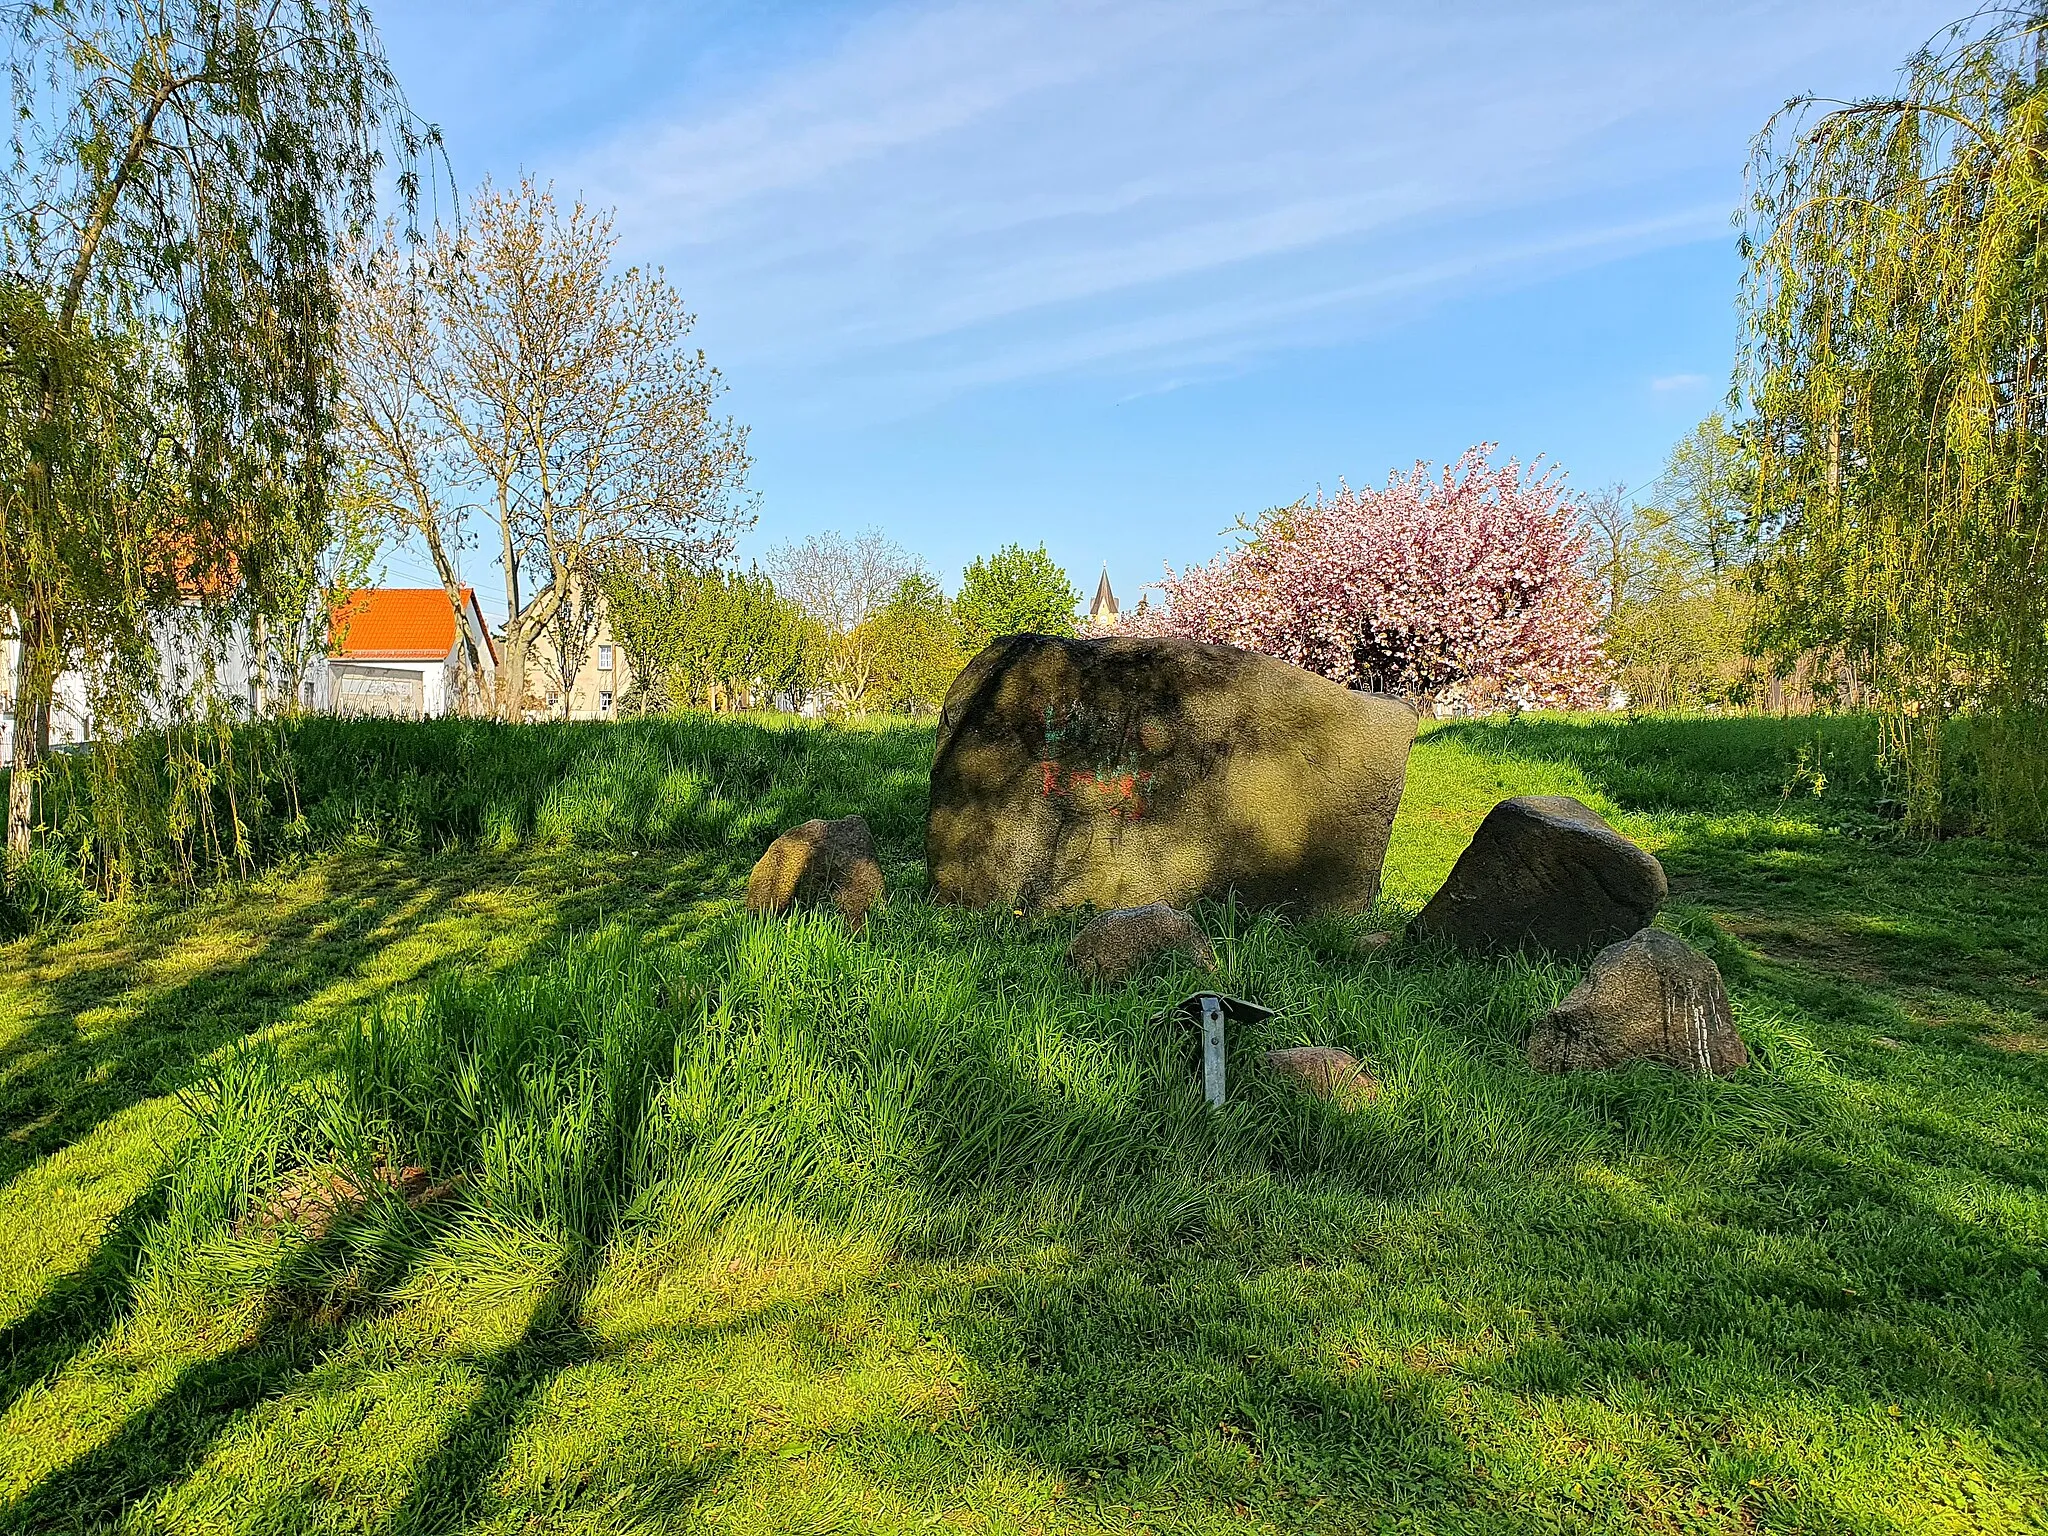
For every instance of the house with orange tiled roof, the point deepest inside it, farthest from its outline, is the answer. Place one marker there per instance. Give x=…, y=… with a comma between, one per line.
x=406, y=652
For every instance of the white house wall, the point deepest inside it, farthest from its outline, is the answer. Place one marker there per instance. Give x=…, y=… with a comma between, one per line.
x=189, y=654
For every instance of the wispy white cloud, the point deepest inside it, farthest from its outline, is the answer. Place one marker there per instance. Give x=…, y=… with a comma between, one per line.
x=960, y=194
x=1673, y=383
x=1212, y=334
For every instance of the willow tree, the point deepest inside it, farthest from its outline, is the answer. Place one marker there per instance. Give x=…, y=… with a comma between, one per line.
x=1896, y=366
x=178, y=177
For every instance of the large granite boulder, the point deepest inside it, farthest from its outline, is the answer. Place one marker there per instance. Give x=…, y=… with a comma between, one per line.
x=819, y=864
x=1123, y=772
x=1544, y=873
x=1652, y=997
x=1113, y=946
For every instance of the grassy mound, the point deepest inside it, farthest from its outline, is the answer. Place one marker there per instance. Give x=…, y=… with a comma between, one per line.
x=486, y=1166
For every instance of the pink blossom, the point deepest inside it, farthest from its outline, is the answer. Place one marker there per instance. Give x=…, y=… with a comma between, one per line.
x=1472, y=576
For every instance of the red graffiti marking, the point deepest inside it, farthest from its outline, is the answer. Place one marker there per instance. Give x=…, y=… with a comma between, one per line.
x=1124, y=792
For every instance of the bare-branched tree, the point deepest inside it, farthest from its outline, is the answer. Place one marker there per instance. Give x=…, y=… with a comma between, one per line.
x=576, y=409
x=390, y=434
x=840, y=581
x=1622, y=540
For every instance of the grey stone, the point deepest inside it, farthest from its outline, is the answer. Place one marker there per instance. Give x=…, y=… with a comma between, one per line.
x=1652, y=997
x=1544, y=872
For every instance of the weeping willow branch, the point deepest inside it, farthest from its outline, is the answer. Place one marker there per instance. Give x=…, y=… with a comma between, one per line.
x=1896, y=368
x=177, y=186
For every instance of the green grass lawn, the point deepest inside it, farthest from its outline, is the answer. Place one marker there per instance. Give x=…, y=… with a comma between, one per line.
x=754, y=1226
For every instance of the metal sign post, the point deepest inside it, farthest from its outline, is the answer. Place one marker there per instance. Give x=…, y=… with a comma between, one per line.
x=1212, y=1048
x=1209, y=1010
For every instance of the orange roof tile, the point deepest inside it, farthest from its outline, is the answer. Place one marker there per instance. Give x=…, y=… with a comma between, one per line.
x=394, y=624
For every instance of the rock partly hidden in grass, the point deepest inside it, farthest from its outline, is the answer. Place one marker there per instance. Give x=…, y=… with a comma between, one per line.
x=316, y=1200
x=819, y=864
x=1649, y=998
x=1120, y=772
x=1113, y=946
x=1545, y=873
x=1327, y=1071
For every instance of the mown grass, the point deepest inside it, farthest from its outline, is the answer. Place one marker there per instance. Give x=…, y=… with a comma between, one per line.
x=756, y=1226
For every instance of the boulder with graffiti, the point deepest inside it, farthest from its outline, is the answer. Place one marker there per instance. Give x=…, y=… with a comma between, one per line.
x=1119, y=772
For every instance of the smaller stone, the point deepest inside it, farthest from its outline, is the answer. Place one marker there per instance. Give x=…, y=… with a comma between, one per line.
x=1649, y=998
x=318, y=1201
x=1373, y=943
x=1328, y=1072
x=819, y=864
x=1546, y=873
x=1112, y=946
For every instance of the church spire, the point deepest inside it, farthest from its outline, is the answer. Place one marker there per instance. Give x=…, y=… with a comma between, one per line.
x=1103, y=612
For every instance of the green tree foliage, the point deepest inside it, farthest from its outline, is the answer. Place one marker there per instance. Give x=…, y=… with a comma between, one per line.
x=177, y=175
x=1015, y=591
x=1896, y=366
x=1705, y=495
x=1680, y=642
x=1673, y=572
x=714, y=639
x=914, y=647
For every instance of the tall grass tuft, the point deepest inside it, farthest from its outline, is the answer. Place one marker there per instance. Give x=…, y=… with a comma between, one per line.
x=181, y=809
x=938, y=1084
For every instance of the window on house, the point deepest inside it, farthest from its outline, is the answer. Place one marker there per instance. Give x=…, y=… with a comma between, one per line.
x=604, y=701
x=604, y=658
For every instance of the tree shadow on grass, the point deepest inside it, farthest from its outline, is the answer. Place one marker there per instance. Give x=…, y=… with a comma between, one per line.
x=1689, y=1254
x=690, y=781
x=301, y=1322
x=599, y=801
x=80, y=1307
x=1180, y=1373
x=81, y=1082
x=1191, y=1389
x=1227, y=1363
x=1588, y=1364
x=451, y=1487
x=1840, y=911
x=1675, y=764
x=59, y=1080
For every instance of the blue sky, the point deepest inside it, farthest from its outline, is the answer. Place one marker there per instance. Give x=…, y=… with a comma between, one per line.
x=1111, y=275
